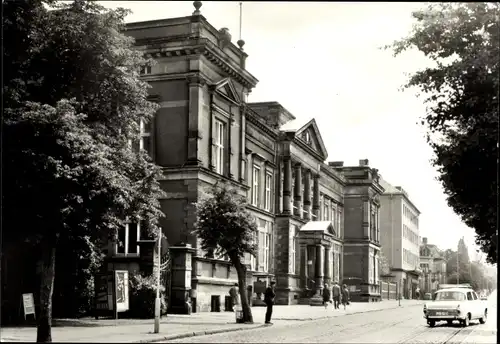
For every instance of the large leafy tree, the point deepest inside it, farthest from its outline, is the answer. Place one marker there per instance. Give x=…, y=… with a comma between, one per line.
x=72, y=101
x=225, y=227
x=462, y=97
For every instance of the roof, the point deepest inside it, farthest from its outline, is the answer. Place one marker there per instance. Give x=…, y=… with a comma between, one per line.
x=295, y=124
x=320, y=226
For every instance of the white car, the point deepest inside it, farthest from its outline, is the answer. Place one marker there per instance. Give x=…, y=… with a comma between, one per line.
x=451, y=304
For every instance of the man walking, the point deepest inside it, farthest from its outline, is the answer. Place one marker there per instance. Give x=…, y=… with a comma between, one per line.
x=336, y=295
x=269, y=296
x=326, y=296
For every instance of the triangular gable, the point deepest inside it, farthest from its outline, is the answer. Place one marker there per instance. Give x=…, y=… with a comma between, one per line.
x=317, y=142
x=226, y=88
x=319, y=226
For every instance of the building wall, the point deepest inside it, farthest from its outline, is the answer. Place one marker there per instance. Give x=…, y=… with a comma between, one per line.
x=391, y=229
x=410, y=237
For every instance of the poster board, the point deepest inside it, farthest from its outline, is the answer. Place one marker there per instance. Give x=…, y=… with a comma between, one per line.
x=121, y=290
x=102, y=292
x=28, y=305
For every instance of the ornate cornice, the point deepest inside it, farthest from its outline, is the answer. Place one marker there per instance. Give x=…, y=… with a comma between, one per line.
x=201, y=47
x=253, y=118
x=300, y=143
x=328, y=171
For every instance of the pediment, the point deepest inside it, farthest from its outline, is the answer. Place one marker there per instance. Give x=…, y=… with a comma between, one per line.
x=310, y=134
x=319, y=226
x=226, y=89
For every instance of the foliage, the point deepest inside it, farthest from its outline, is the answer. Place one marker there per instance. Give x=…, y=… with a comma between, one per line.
x=225, y=227
x=73, y=99
x=74, y=294
x=143, y=295
x=462, y=98
x=223, y=224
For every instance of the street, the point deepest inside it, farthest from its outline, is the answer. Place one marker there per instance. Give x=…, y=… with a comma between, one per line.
x=402, y=325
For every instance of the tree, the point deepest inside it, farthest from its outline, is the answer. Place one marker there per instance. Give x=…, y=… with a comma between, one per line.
x=462, y=97
x=73, y=99
x=225, y=227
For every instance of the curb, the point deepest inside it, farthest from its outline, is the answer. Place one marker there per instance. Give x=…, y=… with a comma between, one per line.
x=334, y=316
x=199, y=333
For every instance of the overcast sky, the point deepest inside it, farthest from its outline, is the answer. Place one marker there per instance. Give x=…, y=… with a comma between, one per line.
x=323, y=60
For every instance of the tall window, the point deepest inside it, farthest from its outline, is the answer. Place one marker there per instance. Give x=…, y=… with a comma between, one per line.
x=339, y=223
x=145, y=136
x=293, y=253
x=128, y=236
x=267, y=198
x=219, y=147
x=326, y=209
x=334, y=219
x=253, y=259
x=255, y=185
x=264, y=245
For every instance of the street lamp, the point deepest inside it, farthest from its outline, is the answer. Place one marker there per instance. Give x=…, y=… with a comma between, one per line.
x=157, y=300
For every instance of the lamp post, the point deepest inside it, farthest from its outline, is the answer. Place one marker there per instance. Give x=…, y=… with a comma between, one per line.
x=157, y=300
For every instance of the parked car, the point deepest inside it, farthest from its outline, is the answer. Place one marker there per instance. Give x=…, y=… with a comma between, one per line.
x=459, y=303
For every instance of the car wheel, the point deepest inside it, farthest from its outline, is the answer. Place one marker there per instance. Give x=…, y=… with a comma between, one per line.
x=482, y=320
x=450, y=322
x=431, y=323
x=466, y=321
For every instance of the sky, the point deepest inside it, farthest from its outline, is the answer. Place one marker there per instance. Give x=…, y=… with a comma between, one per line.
x=324, y=60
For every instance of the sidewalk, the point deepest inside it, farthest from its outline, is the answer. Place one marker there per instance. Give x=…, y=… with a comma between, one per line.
x=181, y=326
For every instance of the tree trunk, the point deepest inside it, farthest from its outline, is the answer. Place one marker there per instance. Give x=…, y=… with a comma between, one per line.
x=241, y=271
x=44, y=326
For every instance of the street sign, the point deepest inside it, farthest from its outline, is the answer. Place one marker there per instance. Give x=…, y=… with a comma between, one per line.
x=28, y=305
x=121, y=289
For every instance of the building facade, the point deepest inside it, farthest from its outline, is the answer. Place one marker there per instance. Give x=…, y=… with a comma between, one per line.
x=433, y=267
x=206, y=131
x=400, y=237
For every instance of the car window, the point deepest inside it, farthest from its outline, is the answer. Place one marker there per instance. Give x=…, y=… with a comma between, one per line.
x=469, y=296
x=449, y=296
x=474, y=295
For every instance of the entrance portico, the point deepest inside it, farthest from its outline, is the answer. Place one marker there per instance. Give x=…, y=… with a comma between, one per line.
x=320, y=258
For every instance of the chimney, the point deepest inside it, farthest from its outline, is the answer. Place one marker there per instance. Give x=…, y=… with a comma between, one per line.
x=363, y=162
x=336, y=164
x=424, y=240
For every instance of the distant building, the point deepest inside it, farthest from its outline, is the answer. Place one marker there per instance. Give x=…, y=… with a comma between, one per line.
x=433, y=266
x=400, y=237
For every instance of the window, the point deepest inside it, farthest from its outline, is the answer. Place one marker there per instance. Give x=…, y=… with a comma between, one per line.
x=145, y=136
x=243, y=173
x=219, y=147
x=146, y=70
x=255, y=185
x=293, y=255
x=128, y=237
x=264, y=245
x=334, y=219
x=307, y=137
x=469, y=296
x=339, y=223
x=267, y=198
x=326, y=209
x=253, y=259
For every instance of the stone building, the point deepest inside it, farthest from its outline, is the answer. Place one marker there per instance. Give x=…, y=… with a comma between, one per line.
x=400, y=237
x=206, y=131
x=433, y=267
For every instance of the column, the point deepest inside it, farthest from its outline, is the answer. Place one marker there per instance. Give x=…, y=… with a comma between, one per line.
x=287, y=184
x=377, y=222
x=328, y=265
x=319, y=270
x=316, y=197
x=307, y=194
x=366, y=218
x=303, y=266
x=297, y=194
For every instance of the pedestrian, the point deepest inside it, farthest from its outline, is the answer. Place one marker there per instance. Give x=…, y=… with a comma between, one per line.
x=269, y=300
x=345, y=295
x=233, y=292
x=417, y=293
x=336, y=295
x=326, y=296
